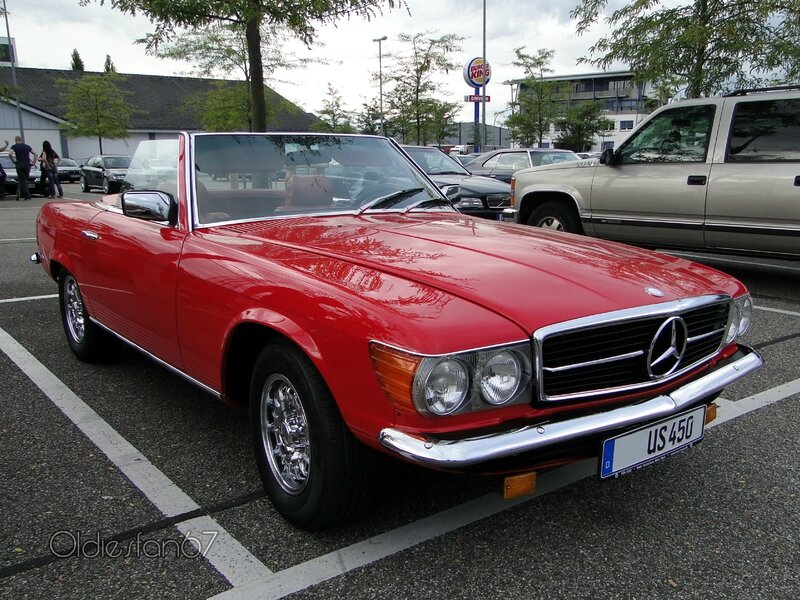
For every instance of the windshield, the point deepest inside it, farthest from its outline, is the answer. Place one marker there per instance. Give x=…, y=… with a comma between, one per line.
x=252, y=176
x=67, y=162
x=154, y=166
x=435, y=162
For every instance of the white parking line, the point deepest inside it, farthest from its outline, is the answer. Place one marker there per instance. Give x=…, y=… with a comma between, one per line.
x=778, y=310
x=26, y=299
x=232, y=560
x=33, y=239
x=734, y=261
x=339, y=562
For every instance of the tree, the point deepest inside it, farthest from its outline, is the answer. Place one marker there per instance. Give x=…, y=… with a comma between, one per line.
x=579, y=125
x=96, y=106
x=413, y=77
x=535, y=108
x=368, y=120
x=109, y=67
x=224, y=108
x=77, y=61
x=299, y=16
x=709, y=46
x=442, y=123
x=334, y=117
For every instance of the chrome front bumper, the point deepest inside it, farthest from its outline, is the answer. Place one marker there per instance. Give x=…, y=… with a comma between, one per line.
x=444, y=453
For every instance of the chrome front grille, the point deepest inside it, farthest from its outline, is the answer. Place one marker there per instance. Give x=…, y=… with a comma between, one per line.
x=498, y=200
x=628, y=350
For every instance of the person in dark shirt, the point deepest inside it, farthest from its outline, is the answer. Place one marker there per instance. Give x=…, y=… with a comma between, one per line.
x=24, y=158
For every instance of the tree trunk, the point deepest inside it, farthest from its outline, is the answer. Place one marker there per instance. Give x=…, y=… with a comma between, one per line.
x=258, y=107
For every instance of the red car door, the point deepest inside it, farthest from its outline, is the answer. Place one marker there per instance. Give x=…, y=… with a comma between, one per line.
x=131, y=277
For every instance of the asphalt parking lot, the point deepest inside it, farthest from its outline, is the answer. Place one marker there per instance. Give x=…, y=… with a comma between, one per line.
x=122, y=480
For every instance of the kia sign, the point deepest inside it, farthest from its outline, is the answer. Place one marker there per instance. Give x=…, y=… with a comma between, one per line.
x=477, y=72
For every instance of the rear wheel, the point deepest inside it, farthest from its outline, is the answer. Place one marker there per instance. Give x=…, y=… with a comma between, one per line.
x=554, y=216
x=84, y=184
x=315, y=472
x=89, y=342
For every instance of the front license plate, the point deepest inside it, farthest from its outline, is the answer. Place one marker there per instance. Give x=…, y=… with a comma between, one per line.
x=651, y=443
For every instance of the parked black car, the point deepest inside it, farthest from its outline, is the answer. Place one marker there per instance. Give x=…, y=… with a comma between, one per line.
x=104, y=171
x=10, y=185
x=502, y=164
x=68, y=170
x=476, y=195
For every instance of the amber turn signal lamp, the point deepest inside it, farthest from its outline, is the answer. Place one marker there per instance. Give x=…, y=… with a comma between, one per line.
x=711, y=413
x=519, y=485
x=395, y=370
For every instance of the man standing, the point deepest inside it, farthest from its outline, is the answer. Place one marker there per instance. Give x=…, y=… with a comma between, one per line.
x=23, y=157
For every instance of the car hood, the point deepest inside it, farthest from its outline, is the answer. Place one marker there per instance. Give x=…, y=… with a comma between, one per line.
x=473, y=183
x=116, y=171
x=528, y=275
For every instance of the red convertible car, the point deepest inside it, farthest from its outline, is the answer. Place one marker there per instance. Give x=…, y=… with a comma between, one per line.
x=325, y=283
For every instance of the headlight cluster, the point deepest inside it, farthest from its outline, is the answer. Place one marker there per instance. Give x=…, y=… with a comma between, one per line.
x=470, y=203
x=740, y=317
x=455, y=383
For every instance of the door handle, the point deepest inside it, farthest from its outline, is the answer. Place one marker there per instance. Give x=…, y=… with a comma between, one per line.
x=797, y=181
x=90, y=234
x=696, y=180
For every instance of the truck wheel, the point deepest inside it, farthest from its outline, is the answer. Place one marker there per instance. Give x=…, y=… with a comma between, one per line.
x=554, y=216
x=89, y=342
x=313, y=469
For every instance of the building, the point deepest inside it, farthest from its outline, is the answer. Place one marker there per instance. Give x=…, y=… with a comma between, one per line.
x=625, y=102
x=160, y=102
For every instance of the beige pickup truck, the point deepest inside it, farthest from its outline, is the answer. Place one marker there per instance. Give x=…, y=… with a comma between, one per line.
x=718, y=174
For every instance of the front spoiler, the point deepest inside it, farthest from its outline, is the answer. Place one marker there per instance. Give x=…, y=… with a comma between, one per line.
x=463, y=452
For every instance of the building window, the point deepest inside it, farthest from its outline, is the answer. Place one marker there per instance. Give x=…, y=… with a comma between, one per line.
x=625, y=125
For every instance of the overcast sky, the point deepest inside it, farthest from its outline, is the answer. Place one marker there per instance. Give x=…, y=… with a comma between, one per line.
x=47, y=31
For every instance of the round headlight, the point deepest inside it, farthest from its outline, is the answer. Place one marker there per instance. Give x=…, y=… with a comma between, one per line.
x=745, y=306
x=445, y=387
x=500, y=378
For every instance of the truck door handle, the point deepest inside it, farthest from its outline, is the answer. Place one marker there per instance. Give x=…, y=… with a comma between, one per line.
x=797, y=181
x=696, y=180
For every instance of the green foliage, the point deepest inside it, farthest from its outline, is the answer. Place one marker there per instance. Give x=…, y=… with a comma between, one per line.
x=368, y=120
x=414, y=88
x=704, y=46
x=76, y=63
x=333, y=116
x=535, y=108
x=96, y=107
x=579, y=125
x=225, y=108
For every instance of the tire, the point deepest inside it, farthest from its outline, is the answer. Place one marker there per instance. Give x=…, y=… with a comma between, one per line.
x=89, y=342
x=554, y=216
x=106, y=185
x=313, y=469
x=84, y=184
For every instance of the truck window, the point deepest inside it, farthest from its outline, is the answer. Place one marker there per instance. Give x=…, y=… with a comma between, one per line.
x=765, y=131
x=676, y=135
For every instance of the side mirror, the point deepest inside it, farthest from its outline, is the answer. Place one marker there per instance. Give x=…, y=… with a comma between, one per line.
x=149, y=206
x=608, y=157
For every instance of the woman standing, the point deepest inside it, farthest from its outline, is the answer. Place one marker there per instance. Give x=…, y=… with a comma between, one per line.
x=50, y=158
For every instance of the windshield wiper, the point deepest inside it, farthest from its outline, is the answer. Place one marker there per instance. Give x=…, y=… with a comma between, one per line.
x=449, y=173
x=426, y=201
x=390, y=199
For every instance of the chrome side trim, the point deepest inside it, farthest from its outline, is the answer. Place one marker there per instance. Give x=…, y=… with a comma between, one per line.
x=455, y=453
x=175, y=370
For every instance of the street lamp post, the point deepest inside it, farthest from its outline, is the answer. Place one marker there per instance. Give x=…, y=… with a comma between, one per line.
x=380, y=80
x=13, y=70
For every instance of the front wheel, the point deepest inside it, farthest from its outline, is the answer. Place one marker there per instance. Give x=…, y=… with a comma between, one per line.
x=554, y=216
x=89, y=342
x=313, y=469
x=106, y=185
x=84, y=184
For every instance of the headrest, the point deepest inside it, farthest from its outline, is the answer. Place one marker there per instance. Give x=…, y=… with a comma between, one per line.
x=308, y=191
